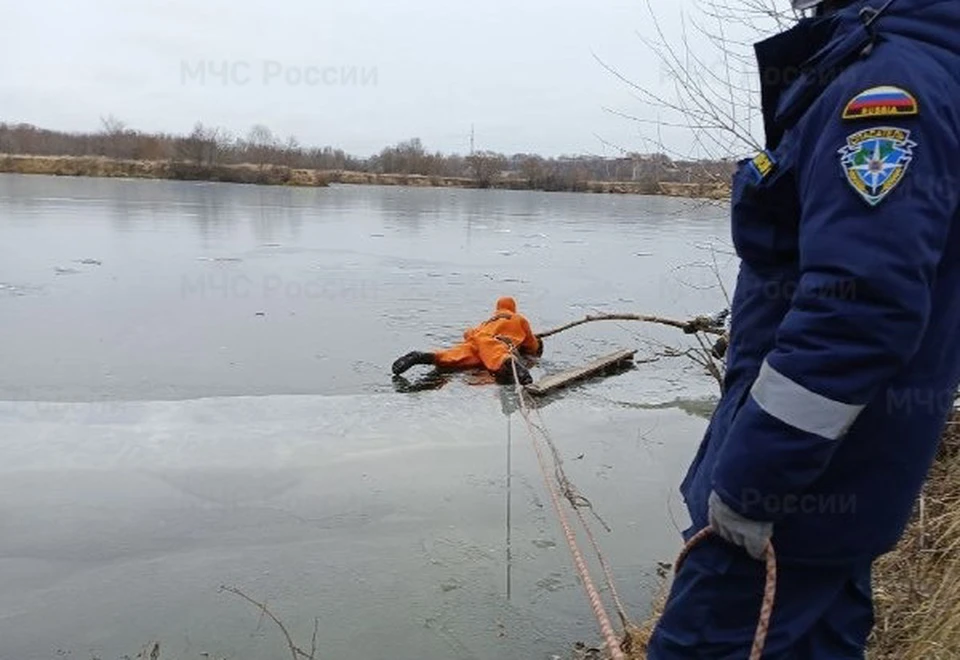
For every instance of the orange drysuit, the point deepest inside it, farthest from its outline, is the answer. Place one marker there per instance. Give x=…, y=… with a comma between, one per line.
x=489, y=343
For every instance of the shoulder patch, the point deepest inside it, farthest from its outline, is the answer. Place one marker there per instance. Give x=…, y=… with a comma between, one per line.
x=762, y=165
x=883, y=101
x=875, y=160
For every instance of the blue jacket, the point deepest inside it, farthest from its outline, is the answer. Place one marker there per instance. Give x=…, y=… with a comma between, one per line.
x=845, y=324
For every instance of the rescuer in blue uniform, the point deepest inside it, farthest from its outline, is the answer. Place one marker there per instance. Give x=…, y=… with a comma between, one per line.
x=844, y=350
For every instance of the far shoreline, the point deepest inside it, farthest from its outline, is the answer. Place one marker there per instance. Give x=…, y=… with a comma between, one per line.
x=279, y=175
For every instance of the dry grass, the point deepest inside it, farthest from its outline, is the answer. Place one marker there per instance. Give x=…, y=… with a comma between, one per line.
x=640, y=634
x=99, y=166
x=916, y=587
x=711, y=190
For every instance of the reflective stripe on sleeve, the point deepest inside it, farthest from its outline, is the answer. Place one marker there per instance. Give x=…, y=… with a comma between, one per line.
x=801, y=408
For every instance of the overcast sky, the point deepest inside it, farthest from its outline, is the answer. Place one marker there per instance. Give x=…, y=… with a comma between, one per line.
x=354, y=74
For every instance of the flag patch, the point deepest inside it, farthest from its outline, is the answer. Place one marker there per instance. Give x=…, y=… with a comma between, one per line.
x=875, y=160
x=883, y=101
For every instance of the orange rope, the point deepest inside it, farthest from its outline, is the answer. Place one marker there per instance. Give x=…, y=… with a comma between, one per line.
x=592, y=594
x=576, y=502
x=616, y=653
x=607, y=573
x=769, y=589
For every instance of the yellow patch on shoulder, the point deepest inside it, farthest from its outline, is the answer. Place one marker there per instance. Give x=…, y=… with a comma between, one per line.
x=763, y=163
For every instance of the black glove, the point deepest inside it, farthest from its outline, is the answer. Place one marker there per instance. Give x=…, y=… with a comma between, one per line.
x=719, y=348
x=505, y=374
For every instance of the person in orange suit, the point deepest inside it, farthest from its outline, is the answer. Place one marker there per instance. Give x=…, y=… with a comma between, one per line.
x=490, y=345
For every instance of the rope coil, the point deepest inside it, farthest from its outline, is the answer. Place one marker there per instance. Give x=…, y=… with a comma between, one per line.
x=769, y=588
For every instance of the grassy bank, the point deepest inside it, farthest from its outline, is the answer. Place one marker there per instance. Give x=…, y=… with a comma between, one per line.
x=917, y=586
x=670, y=189
x=160, y=169
x=95, y=166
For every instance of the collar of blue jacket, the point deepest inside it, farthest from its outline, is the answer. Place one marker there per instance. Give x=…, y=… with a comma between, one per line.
x=796, y=65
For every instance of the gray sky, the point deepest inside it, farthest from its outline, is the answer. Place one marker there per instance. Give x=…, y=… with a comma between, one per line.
x=355, y=74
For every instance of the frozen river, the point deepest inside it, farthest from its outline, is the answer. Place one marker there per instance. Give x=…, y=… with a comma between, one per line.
x=195, y=392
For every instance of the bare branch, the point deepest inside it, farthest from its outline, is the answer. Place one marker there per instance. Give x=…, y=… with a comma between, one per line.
x=698, y=324
x=295, y=651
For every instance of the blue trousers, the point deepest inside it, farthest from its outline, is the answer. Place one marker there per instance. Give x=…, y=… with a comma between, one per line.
x=820, y=613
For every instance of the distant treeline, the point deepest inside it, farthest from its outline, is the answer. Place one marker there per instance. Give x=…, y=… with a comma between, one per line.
x=209, y=147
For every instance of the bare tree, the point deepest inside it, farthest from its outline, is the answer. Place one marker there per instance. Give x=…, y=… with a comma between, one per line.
x=260, y=144
x=292, y=152
x=199, y=145
x=114, y=134
x=407, y=157
x=709, y=90
x=205, y=146
x=485, y=167
x=223, y=144
x=112, y=126
x=532, y=169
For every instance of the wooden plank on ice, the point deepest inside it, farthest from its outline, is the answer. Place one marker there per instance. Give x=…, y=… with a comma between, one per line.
x=564, y=378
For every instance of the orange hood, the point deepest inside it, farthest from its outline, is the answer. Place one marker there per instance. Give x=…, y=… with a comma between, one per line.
x=507, y=304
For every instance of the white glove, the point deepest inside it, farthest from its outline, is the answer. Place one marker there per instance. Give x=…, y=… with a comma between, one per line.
x=751, y=535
